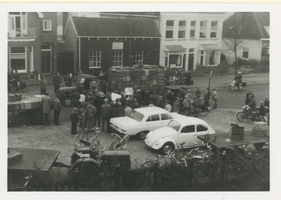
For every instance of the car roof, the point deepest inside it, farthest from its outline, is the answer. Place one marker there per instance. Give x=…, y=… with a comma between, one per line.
x=151, y=110
x=86, y=76
x=190, y=120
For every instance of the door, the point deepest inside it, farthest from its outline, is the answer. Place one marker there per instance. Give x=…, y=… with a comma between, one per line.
x=65, y=62
x=187, y=134
x=153, y=122
x=190, y=61
x=46, y=58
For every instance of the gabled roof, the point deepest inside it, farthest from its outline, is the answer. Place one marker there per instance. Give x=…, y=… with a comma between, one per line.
x=247, y=25
x=113, y=27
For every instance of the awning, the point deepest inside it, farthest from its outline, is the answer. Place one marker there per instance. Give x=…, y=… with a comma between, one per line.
x=210, y=47
x=174, y=48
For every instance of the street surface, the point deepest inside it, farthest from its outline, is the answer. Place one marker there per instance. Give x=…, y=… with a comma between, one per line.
x=24, y=134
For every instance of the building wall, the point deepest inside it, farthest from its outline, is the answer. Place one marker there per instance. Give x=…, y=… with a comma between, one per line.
x=105, y=46
x=187, y=42
x=255, y=51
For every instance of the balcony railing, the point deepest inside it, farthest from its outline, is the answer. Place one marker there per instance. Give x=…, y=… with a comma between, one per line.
x=23, y=34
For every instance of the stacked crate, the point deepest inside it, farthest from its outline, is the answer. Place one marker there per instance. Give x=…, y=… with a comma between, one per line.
x=236, y=132
x=150, y=79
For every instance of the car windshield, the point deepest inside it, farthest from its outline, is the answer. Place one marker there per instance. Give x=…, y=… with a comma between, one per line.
x=136, y=116
x=175, y=125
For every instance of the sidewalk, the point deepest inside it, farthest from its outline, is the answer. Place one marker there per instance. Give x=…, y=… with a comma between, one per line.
x=199, y=81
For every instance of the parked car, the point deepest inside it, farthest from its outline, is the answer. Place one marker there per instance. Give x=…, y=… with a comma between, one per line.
x=82, y=86
x=184, y=129
x=142, y=120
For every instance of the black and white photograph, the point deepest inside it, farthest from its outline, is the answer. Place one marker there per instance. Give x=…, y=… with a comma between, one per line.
x=155, y=99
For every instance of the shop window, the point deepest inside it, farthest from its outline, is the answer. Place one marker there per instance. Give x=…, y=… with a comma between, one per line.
x=18, y=58
x=117, y=59
x=181, y=32
x=192, y=29
x=203, y=29
x=94, y=59
x=214, y=28
x=137, y=57
x=47, y=25
x=169, y=29
x=245, y=53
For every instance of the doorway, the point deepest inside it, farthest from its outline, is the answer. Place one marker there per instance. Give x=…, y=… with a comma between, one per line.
x=190, y=59
x=46, y=58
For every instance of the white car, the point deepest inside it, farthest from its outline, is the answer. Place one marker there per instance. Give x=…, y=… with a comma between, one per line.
x=178, y=131
x=142, y=120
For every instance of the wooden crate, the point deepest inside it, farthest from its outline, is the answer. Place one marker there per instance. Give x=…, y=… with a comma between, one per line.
x=14, y=157
x=236, y=132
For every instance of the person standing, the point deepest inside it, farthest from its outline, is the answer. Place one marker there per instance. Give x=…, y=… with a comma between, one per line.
x=198, y=93
x=168, y=106
x=43, y=85
x=214, y=98
x=75, y=99
x=92, y=112
x=57, y=109
x=74, y=117
x=160, y=102
x=176, y=105
x=47, y=105
x=127, y=109
x=105, y=114
x=83, y=118
x=68, y=80
x=56, y=80
x=187, y=76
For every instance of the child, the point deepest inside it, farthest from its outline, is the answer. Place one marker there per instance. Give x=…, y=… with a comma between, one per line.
x=74, y=120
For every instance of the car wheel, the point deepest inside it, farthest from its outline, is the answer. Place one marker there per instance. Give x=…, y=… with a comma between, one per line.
x=142, y=135
x=67, y=102
x=167, y=148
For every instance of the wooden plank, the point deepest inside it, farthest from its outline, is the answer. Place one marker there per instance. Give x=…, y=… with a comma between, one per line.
x=35, y=159
x=221, y=140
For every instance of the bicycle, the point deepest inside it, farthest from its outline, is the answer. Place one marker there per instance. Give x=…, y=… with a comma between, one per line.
x=93, y=144
x=33, y=75
x=119, y=142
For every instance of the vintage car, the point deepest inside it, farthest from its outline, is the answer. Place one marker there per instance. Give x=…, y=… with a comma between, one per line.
x=142, y=120
x=178, y=131
x=82, y=86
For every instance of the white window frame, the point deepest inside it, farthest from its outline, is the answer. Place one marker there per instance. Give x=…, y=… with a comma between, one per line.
x=203, y=29
x=116, y=59
x=137, y=56
x=25, y=58
x=170, y=28
x=192, y=28
x=182, y=29
x=214, y=29
x=12, y=24
x=245, y=50
x=94, y=63
x=46, y=29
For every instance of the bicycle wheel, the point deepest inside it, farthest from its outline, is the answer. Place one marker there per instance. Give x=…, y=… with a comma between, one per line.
x=97, y=146
x=204, y=111
x=112, y=147
x=241, y=116
x=124, y=142
x=80, y=136
x=149, y=164
x=31, y=76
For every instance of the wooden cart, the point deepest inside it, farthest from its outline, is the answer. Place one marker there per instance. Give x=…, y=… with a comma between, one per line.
x=30, y=105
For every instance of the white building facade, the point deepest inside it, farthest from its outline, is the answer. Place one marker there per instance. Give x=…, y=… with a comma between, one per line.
x=190, y=39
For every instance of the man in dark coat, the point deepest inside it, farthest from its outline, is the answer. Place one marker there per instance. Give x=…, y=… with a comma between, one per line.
x=187, y=76
x=57, y=109
x=75, y=99
x=47, y=105
x=105, y=114
x=98, y=101
x=56, y=80
x=139, y=97
x=68, y=80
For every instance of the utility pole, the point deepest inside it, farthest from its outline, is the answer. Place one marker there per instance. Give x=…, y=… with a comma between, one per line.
x=209, y=87
x=130, y=35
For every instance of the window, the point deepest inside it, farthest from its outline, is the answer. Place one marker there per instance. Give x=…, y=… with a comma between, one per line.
x=203, y=28
x=18, y=58
x=245, y=53
x=94, y=59
x=136, y=116
x=17, y=24
x=182, y=25
x=214, y=27
x=138, y=57
x=117, y=59
x=201, y=128
x=169, y=29
x=47, y=25
x=188, y=129
x=174, y=124
x=165, y=116
x=192, y=29
x=153, y=118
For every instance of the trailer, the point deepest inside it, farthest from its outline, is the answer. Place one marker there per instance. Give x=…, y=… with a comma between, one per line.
x=29, y=105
